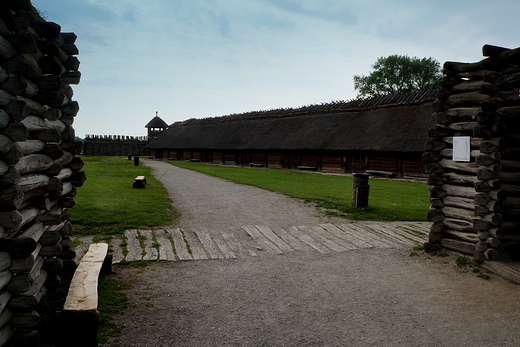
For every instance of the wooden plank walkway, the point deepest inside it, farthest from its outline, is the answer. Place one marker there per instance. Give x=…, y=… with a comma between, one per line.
x=254, y=240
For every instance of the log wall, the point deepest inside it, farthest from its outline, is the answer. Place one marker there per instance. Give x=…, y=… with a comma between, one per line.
x=475, y=206
x=39, y=169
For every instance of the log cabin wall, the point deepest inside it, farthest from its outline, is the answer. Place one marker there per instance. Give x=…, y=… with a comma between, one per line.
x=475, y=205
x=39, y=169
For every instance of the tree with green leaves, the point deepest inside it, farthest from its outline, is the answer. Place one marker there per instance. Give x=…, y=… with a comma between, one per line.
x=398, y=74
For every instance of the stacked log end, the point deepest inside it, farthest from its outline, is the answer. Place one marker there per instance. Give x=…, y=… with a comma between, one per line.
x=39, y=170
x=475, y=205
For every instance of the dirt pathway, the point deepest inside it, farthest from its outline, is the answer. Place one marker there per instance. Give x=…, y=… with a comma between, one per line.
x=374, y=296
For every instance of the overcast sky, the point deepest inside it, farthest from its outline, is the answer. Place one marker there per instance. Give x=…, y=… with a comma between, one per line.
x=205, y=58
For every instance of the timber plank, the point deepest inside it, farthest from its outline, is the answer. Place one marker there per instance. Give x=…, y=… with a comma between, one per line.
x=133, y=246
x=363, y=235
x=82, y=294
x=284, y=247
x=117, y=251
x=240, y=248
x=406, y=232
x=323, y=240
x=379, y=235
x=165, y=246
x=347, y=246
x=300, y=235
x=292, y=241
x=262, y=241
x=228, y=253
x=208, y=244
x=197, y=250
x=151, y=252
x=358, y=243
x=180, y=245
x=393, y=234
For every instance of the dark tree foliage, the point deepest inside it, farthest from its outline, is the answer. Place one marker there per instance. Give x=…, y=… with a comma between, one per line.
x=398, y=74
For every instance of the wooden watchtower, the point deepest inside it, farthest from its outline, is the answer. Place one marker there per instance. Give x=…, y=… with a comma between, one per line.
x=155, y=127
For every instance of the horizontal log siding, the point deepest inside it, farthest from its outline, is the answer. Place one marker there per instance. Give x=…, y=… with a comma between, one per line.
x=380, y=163
x=332, y=163
x=275, y=160
x=414, y=167
x=258, y=158
x=310, y=160
x=217, y=158
x=230, y=159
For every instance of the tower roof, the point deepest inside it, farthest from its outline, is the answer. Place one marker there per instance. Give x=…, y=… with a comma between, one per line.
x=156, y=122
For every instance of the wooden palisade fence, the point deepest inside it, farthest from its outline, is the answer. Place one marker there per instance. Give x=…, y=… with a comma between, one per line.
x=475, y=205
x=39, y=171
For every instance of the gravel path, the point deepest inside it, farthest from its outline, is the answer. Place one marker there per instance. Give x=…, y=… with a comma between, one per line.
x=373, y=296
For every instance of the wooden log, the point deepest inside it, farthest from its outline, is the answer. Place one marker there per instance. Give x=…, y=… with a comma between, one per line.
x=7, y=50
x=28, y=301
x=436, y=192
x=50, y=237
x=76, y=164
x=71, y=109
x=451, y=177
x=37, y=124
x=469, y=98
x=435, y=215
x=491, y=146
x=509, y=177
x=464, y=236
x=458, y=246
x=78, y=178
x=25, y=65
x=462, y=191
x=5, y=261
x=510, y=164
x=51, y=251
x=435, y=145
x=53, y=266
x=65, y=159
x=74, y=147
x=25, y=320
x=436, y=203
x=53, y=150
x=461, y=213
x=31, y=146
x=435, y=180
x=25, y=264
x=10, y=176
x=48, y=135
x=16, y=131
x=13, y=155
x=465, y=203
x=461, y=166
x=10, y=219
x=52, y=114
x=458, y=224
x=492, y=254
x=463, y=112
x=510, y=189
x=33, y=181
x=4, y=119
x=11, y=197
x=463, y=126
x=54, y=170
x=489, y=172
x=34, y=162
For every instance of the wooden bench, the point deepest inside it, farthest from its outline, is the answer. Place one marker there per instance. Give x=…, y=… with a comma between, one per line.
x=139, y=182
x=80, y=316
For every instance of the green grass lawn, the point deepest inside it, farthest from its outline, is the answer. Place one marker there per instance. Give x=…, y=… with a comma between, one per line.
x=389, y=200
x=108, y=204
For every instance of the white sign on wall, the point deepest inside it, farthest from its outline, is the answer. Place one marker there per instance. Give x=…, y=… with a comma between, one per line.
x=461, y=148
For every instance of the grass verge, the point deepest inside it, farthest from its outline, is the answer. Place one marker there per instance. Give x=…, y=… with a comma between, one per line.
x=389, y=200
x=107, y=203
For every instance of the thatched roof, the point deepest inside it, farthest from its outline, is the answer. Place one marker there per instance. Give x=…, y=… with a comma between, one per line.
x=156, y=122
x=395, y=127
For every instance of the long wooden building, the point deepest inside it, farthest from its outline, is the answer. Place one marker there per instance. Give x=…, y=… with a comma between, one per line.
x=383, y=134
